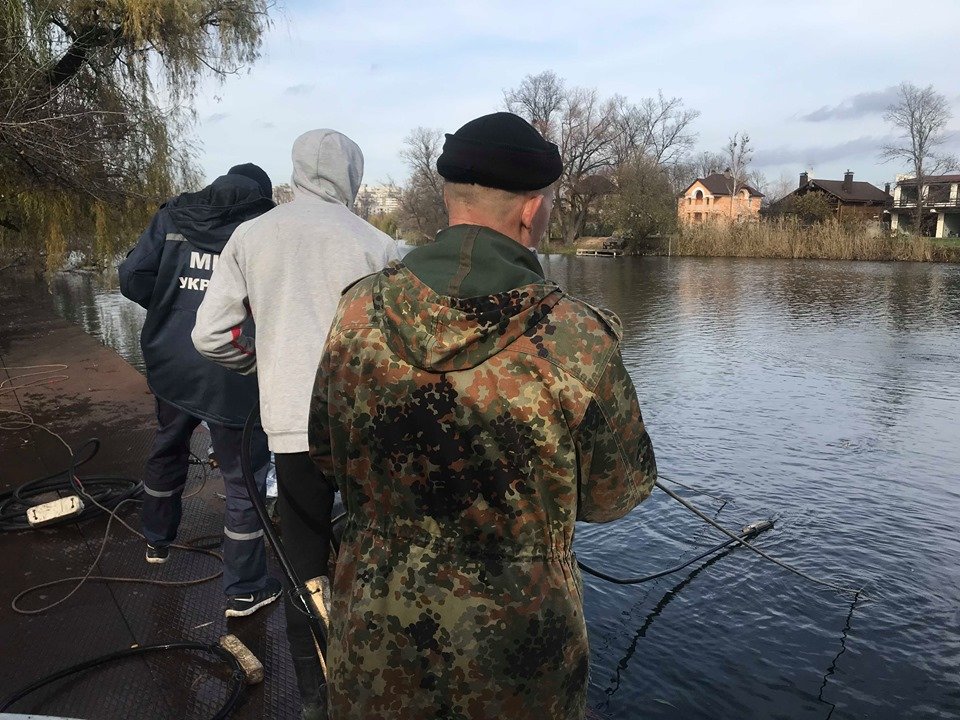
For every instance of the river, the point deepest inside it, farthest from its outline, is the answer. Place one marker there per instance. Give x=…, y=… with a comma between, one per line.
x=825, y=395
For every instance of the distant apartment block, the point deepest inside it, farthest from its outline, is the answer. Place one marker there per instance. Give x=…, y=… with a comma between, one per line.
x=850, y=199
x=940, y=196
x=375, y=200
x=711, y=199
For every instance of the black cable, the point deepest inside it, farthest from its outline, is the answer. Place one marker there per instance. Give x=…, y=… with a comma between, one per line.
x=237, y=677
x=836, y=658
x=691, y=488
x=213, y=541
x=299, y=591
x=102, y=498
x=94, y=502
x=107, y=491
x=857, y=592
x=336, y=531
x=747, y=533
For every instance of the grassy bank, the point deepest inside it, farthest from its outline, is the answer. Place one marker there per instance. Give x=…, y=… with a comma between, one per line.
x=825, y=241
x=557, y=248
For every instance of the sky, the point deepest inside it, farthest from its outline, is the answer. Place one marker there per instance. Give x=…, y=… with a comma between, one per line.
x=808, y=81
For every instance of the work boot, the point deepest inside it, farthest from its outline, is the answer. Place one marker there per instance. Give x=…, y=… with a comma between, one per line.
x=313, y=687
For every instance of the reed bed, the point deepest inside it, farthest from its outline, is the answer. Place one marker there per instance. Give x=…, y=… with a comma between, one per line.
x=787, y=238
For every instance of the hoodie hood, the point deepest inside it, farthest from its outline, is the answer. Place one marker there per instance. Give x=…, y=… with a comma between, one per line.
x=327, y=165
x=442, y=333
x=208, y=217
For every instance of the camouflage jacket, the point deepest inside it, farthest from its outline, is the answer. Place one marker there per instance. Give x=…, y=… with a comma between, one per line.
x=468, y=434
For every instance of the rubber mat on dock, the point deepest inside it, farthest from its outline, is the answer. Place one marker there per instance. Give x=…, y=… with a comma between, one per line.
x=104, y=397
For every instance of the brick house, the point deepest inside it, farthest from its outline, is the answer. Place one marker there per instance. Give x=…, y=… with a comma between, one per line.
x=711, y=199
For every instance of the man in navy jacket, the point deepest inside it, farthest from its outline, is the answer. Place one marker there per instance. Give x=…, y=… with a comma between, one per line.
x=168, y=272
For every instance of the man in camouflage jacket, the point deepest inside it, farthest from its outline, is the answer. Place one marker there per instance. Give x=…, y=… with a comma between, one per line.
x=471, y=412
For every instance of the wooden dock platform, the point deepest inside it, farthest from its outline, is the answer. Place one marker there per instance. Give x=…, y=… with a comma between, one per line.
x=599, y=252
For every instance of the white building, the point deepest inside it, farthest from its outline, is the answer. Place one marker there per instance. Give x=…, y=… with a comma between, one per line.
x=375, y=200
x=941, y=204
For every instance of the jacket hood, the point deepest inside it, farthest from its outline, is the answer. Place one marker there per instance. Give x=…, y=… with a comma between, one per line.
x=327, y=165
x=441, y=333
x=208, y=217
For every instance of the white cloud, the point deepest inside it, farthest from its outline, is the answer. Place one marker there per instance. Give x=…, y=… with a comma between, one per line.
x=858, y=106
x=817, y=155
x=376, y=69
x=301, y=89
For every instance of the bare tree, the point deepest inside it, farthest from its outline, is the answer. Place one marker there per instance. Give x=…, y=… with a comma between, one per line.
x=538, y=98
x=700, y=165
x=772, y=189
x=282, y=193
x=737, y=154
x=708, y=162
x=588, y=133
x=778, y=189
x=597, y=136
x=421, y=207
x=657, y=128
x=757, y=179
x=920, y=115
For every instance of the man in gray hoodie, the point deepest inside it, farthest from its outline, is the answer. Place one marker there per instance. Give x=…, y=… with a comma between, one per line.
x=287, y=269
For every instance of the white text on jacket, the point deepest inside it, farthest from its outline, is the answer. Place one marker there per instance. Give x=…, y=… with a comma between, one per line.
x=199, y=261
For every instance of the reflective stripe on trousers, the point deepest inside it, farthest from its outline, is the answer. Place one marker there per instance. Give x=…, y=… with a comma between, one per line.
x=244, y=554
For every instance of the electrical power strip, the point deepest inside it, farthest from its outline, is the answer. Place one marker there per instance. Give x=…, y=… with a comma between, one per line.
x=40, y=515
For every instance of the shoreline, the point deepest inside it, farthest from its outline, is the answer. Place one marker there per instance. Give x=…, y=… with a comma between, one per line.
x=850, y=248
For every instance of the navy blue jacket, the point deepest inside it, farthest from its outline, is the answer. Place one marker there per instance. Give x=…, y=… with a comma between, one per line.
x=167, y=272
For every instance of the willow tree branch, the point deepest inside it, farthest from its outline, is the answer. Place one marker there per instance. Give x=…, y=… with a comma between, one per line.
x=75, y=56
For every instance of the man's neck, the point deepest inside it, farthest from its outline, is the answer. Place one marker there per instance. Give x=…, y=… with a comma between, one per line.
x=510, y=229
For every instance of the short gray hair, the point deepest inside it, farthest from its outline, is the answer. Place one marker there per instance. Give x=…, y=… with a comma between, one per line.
x=483, y=197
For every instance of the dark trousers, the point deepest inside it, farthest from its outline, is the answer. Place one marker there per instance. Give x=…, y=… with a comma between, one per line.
x=244, y=555
x=305, y=499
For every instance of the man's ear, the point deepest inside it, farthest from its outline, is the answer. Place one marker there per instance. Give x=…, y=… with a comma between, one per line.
x=529, y=210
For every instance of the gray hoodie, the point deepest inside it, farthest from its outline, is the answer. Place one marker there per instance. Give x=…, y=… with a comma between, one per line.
x=288, y=268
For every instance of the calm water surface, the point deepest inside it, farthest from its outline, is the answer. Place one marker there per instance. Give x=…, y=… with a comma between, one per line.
x=824, y=395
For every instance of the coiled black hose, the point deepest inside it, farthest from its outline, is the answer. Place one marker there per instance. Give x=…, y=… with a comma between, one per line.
x=107, y=490
x=236, y=680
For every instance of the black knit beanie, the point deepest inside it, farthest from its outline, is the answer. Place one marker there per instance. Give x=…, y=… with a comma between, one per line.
x=501, y=150
x=255, y=173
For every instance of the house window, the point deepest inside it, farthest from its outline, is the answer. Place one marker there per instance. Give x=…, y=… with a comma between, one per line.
x=698, y=217
x=908, y=195
x=708, y=201
x=699, y=197
x=939, y=193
